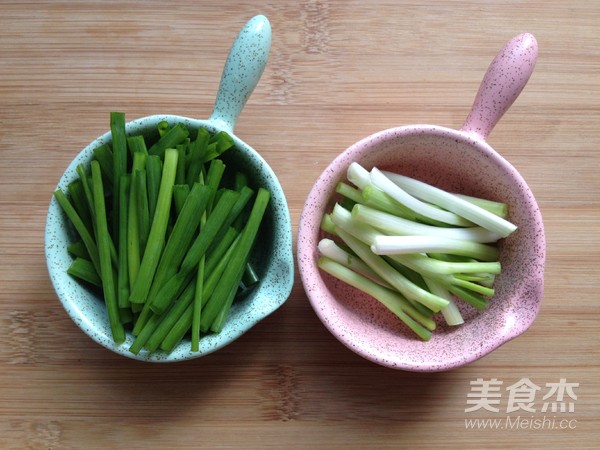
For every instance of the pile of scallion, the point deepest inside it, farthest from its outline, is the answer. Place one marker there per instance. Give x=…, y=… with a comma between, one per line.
x=412, y=246
x=164, y=232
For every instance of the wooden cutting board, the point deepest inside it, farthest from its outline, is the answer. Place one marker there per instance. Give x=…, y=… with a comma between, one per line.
x=338, y=71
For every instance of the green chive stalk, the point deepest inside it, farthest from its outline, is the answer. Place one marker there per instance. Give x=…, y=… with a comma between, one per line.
x=106, y=268
x=175, y=136
x=119, y=146
x=84, y=270
x=154, y=168
x=214, y=222
x=222, y=298
x=134, y=243
x=123, y=267
x=158, y=230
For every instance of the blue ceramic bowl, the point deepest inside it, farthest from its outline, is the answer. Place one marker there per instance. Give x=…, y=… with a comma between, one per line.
x=272, y=255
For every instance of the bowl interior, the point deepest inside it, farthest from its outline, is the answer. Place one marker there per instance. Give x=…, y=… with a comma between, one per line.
x=272, y=256
x=457, y=162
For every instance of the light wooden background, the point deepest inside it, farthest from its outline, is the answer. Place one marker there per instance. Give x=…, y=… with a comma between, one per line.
x=338, y=71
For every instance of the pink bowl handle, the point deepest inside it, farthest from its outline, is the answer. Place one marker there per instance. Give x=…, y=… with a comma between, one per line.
x=504, y=80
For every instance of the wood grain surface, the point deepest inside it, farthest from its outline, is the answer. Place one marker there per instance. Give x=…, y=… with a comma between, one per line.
x=338, y=71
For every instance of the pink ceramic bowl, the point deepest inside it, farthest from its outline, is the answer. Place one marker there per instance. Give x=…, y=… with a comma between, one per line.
x=459, y=161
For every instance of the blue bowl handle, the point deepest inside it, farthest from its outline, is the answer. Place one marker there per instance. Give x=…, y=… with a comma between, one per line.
x=244, y=66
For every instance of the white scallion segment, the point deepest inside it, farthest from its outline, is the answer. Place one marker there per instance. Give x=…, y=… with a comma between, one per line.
x=394, y=301
x=358, y=175
x=498, y=208
x=394, y=225
x=451, y=313
x=327, y=224
x=472, y=286
x=383, y=182
x=331, y=250
x=410, y=290
x=487, y=280
x=481, y=278
x=342, y=218
x=349, y=192
x=394, y=245
x=430, y=266
x=453, y=203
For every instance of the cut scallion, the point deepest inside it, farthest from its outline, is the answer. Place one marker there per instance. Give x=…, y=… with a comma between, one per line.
x=454, y=203
x=414, y=240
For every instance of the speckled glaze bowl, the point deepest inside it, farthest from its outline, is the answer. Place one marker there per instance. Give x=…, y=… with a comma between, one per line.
x=459, y=161
x=273, y=256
